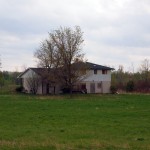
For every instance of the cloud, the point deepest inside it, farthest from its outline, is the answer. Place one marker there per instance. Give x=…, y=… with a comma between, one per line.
x=115, y=32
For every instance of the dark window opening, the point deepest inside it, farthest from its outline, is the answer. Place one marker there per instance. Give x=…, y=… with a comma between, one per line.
x=104, y=71
x=95, y=71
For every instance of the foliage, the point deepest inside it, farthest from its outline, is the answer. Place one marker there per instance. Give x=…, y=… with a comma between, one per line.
x=10, y=77
x=66, y=90
x=19, y=89
x=8, y=82
x=1, y=79
x=129, y=81
x=130, y=86
x=87, y=122
x=8, y=89
x=113, y=89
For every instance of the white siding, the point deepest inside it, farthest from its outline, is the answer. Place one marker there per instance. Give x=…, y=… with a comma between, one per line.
x=97, y=89
x=25, y=77
x=28, y=74
x=103, y=79
x=97, y=77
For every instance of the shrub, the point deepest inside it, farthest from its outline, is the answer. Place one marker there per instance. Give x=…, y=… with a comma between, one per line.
x=113, y=89
x=130, y=86
x=66, y=90
x=19, y=89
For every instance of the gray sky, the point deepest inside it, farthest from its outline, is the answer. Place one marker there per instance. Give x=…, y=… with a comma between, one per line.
x=116, y=32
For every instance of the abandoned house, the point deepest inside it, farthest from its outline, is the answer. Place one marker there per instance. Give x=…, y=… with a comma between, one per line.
x=97, y=80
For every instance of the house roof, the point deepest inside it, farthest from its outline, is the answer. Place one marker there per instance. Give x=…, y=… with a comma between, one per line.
x=93, y=66
x=39, y=71
x=42, y=71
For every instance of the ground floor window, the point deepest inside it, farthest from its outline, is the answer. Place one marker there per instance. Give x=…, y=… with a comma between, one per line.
x=99, y=85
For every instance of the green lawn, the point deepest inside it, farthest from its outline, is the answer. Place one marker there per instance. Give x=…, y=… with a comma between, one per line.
x=88, y=122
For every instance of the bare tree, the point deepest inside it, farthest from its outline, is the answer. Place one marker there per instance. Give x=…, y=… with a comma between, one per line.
x=145, y=69
x=61, y=51
x=144, y=83
x=33, y=81
x=120, y=74
x=131, y=69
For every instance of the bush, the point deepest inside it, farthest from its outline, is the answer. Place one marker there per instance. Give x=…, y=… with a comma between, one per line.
x=19, y=89
x=66, y=90
x=130, y=86
x=113, y=89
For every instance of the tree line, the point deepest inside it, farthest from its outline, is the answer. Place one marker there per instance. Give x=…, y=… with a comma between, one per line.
x=7, y=78
x=132, y=81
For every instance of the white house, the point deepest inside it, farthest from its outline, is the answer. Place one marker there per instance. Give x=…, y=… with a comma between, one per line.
x=98, y=80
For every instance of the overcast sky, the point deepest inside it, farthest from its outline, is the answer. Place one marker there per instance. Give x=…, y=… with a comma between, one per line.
x=116, y=32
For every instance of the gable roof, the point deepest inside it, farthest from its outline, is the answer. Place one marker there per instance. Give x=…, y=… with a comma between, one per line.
x=42, y=71
x=39, y=71
x=93, y=66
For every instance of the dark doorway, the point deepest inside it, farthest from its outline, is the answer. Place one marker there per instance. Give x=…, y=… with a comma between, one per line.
x=83, y=86
x=47, y=88
x=92, y=88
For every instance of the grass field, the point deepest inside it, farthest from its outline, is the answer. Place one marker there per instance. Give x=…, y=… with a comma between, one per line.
x=88, y=122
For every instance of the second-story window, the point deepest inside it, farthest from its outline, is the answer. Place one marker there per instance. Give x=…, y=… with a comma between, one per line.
x=95, y=71
x=104, y=71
